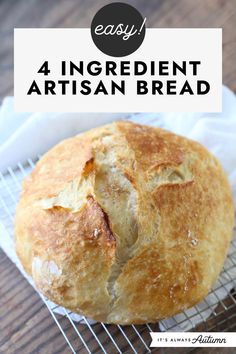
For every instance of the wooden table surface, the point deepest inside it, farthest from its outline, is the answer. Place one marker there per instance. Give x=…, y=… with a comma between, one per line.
x=25, y=324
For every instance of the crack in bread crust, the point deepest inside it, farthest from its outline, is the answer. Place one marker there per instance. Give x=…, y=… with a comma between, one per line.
x=123, y=221
x=108, y=176
x=114, y=182
x=111, y=185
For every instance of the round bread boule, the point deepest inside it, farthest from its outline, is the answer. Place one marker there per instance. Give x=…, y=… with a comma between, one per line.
x=125, y=223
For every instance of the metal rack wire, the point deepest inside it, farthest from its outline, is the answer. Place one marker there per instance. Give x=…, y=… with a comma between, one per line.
x=101, y=338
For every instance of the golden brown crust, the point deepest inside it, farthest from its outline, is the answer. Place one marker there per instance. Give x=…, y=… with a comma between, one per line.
x=66, y=164
x=125, y=223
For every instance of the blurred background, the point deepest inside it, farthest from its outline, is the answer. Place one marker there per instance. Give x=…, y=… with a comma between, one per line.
x=79, y=13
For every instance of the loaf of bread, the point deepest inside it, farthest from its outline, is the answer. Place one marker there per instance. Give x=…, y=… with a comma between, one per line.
x=125, y=223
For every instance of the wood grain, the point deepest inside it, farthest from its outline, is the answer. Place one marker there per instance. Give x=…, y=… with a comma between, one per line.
x=27, y=327
x=25, y=323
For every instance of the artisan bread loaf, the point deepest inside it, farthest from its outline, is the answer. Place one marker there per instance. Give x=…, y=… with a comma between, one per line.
x=125, y=223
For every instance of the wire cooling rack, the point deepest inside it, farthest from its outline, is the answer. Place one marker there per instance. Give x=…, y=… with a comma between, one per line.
x=216, y=313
